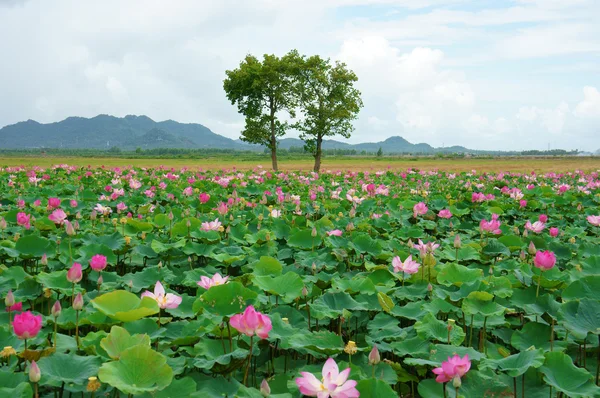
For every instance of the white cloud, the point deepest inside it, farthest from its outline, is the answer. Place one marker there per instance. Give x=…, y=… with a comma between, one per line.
x=590, y=106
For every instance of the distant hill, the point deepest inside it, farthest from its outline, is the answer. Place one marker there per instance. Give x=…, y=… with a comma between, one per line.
x=131, y=132
x=104, y=131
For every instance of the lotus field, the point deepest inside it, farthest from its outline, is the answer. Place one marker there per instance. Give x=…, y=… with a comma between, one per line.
x=190, y=283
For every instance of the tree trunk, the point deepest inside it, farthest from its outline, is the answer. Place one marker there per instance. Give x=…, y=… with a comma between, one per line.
x=317, y=167
x=273, y=137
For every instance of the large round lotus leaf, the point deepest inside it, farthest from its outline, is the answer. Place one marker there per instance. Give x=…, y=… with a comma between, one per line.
x=303, y=239
x=289, y=285
x=57, y=280
x=363, y=243
x=516, y=365
x=581, y=317
x=456, y=274
x=561, y=374
x=494, y=248
x=35, y=246
x=125, y=306
x=537, y=335
x=374, y=388
x=472, y=306
x=178, y=388
x=588, y=287
x=68, y=368
x=139, y=370
x=119, y=340
x=22, y=390
x=431, y=328
x=225, y=300
x=266, y=265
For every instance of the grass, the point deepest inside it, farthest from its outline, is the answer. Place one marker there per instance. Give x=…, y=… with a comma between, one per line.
x=512, y=164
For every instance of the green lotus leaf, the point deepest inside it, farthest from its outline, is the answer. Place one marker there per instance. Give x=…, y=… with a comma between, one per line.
x=139, y=369
x=456, y=274
x=67, y=368
x=431, y=328
x=560, y=373
x=119, y=339
x=374, y=388
x=35, y=246
x=125, y=306
x=225, y=300
x=581, y=317
x=288, y=286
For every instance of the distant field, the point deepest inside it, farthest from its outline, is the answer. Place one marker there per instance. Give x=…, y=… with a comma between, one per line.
x=338, y=163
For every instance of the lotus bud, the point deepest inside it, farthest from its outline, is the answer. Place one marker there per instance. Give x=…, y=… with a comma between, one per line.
x=188, y=223
x=69, y=228
x=93, y=215
x=516, y=230
x=78, y=215
x=314, y=268
x=525, y=233
x=231, y=217
x=2, y=223
x=531, y=249
x=9, y=300
x=130, y=285
x=170, y=215
x=34, y=372
x=522, y=255
x=350, y=348
x=260, y=217
x=160, y=264
x=457, y=242
x=56, y=309
x=410, y=243
x=451, y=225
x=579, y=207
x=44, y=260
x=456, y=382
x=313, y=233
x=265, y=390
x=350, y=227
x=304, y=291
x=374, y=357
x=430, y=288
x=78, y=302
x=100, y=280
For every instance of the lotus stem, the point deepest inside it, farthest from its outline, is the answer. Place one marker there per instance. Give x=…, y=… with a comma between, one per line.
x=35, y=389
x=598, y=363
x=77, y=328
x=249, y=360
x=537, y=293
x=444, y=388
x=552, y=336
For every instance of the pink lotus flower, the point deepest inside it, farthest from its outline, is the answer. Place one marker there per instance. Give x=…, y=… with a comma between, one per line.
x=98, y=262
x=168, y=300
x=409, y=266
x=334, y=384
x=216, y=280
x=222, y=208
x=426, y=248
x=211, y=226
x=536, y=227
x=419, y=209
x=445, y=213
x=15, y=307
x=53, y=203
x=121, y=207
x=543, y=218
x=544, y=260
x=335, y=232
x=24, y=219
x=188, y=191
x=204, y=197
x=554, y=232
x=74, y=273
x=252, y=322
x=454, y=367
x=73, y=203
x=594, y=220
x=26, y=325
x=492, y=226
x=58, y=216
x=522, y=203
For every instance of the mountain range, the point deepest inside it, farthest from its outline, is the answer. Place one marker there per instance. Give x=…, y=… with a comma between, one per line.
x=131, y=132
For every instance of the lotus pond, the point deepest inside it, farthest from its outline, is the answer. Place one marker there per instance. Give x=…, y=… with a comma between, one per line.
x=187, y=283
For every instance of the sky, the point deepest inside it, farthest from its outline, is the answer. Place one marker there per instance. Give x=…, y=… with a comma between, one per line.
x=485, y=74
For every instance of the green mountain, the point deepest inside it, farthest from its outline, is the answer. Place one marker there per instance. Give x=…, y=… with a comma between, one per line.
x=104, y=131
x=131, y=132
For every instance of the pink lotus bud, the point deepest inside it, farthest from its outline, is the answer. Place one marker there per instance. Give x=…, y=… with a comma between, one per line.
x=74, y=274
x=10, y=299
x=457, y=242
x=44, y=260
x=26, y=325
x=56, y=309
x=544, y=260
x=69, y=228
x=2, y=223
x=78, y=302
x=304, y=291
x=34, y=372
x=313, y=232
x=554, y=232
x=531, y=249
x=374, y=357
x=98, y=262
x=543, y=218
x=265, y=390
x=100, y=280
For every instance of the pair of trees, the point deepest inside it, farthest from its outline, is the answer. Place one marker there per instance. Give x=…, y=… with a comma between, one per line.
x=317, y=93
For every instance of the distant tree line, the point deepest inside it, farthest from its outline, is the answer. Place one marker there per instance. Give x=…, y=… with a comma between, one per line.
x=309, y=94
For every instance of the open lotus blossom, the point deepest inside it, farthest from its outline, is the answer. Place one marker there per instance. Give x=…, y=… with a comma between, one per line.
x=594, y=220
x=98, y=262
x=452, y=368
x=409, y=266
x=167, y=300
x=492, y=226
x=536, y=227
x=426, y=248
x=334, y=384
x=211, y=225
x=544, y=260
x=445, y=213
x=58, y=216
x=275, y=213
x=216, y=280
x=419, y=209
x=24, y=220
x=53, y=203
x=26, y=325
x=335, y=232
x=204, y=197
x=104, y=210
x=252, y=322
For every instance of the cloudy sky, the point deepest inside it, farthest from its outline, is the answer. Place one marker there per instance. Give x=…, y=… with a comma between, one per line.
x=486, y=74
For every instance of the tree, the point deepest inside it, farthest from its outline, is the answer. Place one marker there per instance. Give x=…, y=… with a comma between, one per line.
x=328, y=102
x=262, y=90
x=379, y=152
